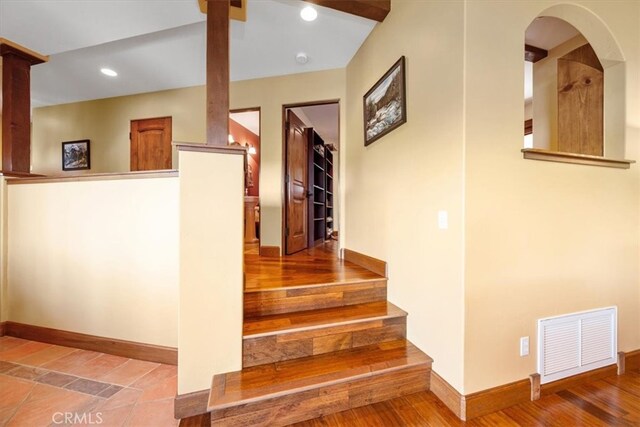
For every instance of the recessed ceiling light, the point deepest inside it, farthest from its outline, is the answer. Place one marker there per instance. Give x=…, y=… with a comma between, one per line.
x=302, y=58
x=308, y=14
x=108, y=72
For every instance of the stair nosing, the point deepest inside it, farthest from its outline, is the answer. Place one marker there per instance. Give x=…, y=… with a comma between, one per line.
x=320, y=384
x=326, y=326
x=316, y=285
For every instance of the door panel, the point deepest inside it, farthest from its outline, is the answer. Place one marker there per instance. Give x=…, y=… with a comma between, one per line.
x=296, y=185
x=580, y=108
x=151, y=144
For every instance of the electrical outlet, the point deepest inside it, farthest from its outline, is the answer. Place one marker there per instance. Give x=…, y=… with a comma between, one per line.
x=524, y=346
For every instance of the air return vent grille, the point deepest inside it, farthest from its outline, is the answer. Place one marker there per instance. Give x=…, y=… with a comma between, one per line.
x=576, y=343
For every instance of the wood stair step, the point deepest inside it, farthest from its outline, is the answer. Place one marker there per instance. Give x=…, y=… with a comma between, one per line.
x=286, y=392
x=313, y=296
x=293, y=335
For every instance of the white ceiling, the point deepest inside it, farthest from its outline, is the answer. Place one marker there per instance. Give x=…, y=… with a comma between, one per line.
x=324, y=119
x=160, y=44
x=248, y=119
x=547, y=32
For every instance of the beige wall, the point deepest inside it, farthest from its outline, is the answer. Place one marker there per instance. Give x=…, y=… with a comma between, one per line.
x=211, y=256
x=542, y=238
x=96, y=257
x=396, y=186
x=106, y=123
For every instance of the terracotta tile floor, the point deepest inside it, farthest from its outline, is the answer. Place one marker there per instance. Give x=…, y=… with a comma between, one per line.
x=41, y=384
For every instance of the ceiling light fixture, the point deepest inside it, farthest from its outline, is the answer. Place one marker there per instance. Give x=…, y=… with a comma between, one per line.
x=308, y=14
x=108, y=72
x=302, y=58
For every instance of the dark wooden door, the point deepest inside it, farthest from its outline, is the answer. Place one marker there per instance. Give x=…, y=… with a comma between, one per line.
x=296, y=181
x=151, y=144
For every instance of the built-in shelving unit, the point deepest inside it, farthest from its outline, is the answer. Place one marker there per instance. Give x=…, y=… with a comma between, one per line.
x=319, y=226
x=329, y=220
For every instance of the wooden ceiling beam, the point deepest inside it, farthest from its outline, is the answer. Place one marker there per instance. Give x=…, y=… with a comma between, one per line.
x=534, y=54
x=375, y=10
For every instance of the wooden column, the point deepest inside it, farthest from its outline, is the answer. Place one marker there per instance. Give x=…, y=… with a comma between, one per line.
x=16, y=105
x=217, y=72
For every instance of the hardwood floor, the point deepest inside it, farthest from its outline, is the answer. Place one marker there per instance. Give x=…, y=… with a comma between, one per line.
x=612, y=401
x=318, y=265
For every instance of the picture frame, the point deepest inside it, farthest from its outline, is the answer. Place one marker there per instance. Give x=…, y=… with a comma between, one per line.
x=385, y=104
x=76, y=155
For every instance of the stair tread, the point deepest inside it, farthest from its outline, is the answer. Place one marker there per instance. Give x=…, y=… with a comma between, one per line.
x=297, y=272
x=315, y=319
x=281, y=378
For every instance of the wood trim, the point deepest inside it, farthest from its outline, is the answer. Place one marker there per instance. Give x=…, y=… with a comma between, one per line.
x=621, y=362
x=191, y=404
x=376, y=10
x=528, y=126
x=448, y=395
x=576, y=380
x=534, y=379
x=270, y=251
x=534, y=54
x=3, y=327
x=14, y=174
x=632, y=360
x=93, y=177
x=217, y=88
x=372, y=264
x=579, y=159
x=204, y=148
x=496, y=398
x=9, y=47
x=130, y=349
x=237, y=9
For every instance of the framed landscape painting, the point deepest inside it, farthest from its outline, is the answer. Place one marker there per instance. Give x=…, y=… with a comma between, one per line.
x=385, y=104
x=76, y=155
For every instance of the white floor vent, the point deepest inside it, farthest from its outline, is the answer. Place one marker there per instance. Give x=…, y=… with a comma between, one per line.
x=576, y=343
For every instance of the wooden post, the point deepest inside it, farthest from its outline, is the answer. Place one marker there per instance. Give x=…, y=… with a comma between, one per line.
x=16, y=105
x=217, y=72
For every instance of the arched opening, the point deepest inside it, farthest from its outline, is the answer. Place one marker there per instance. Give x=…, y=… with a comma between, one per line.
x=574, y=84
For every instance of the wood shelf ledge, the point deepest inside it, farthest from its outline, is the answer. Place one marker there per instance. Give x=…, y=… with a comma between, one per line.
x=579, y=159
x=205, y=148
x=170, y=173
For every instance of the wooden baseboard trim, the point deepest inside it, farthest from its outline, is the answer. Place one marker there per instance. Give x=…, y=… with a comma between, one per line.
x=470, y=406
x=191, y=404
x=632, y=360
x=270, y=251
x=448, y=395
x=3, y=326
x=372, y=264
x=130, y=349
x=497, y=398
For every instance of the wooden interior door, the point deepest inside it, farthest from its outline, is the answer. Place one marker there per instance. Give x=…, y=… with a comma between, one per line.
x=581, y=103
x=151, y=144
x=296, y=181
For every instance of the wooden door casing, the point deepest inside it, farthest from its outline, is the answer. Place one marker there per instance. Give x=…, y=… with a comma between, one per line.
x=296, y=183
x=151, y=144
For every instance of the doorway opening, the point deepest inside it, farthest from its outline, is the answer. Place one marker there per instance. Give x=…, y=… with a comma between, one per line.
x=244, y=130
x=310, y=176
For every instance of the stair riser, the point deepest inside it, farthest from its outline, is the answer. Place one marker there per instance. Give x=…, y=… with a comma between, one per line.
x=276, y=348
x=263, y=303
x=305, y=405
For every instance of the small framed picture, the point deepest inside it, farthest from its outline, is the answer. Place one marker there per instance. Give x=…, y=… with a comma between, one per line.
x=76, y=155
x=385, y=104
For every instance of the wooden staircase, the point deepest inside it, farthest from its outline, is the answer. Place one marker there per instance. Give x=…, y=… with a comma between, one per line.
x=313, y=349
